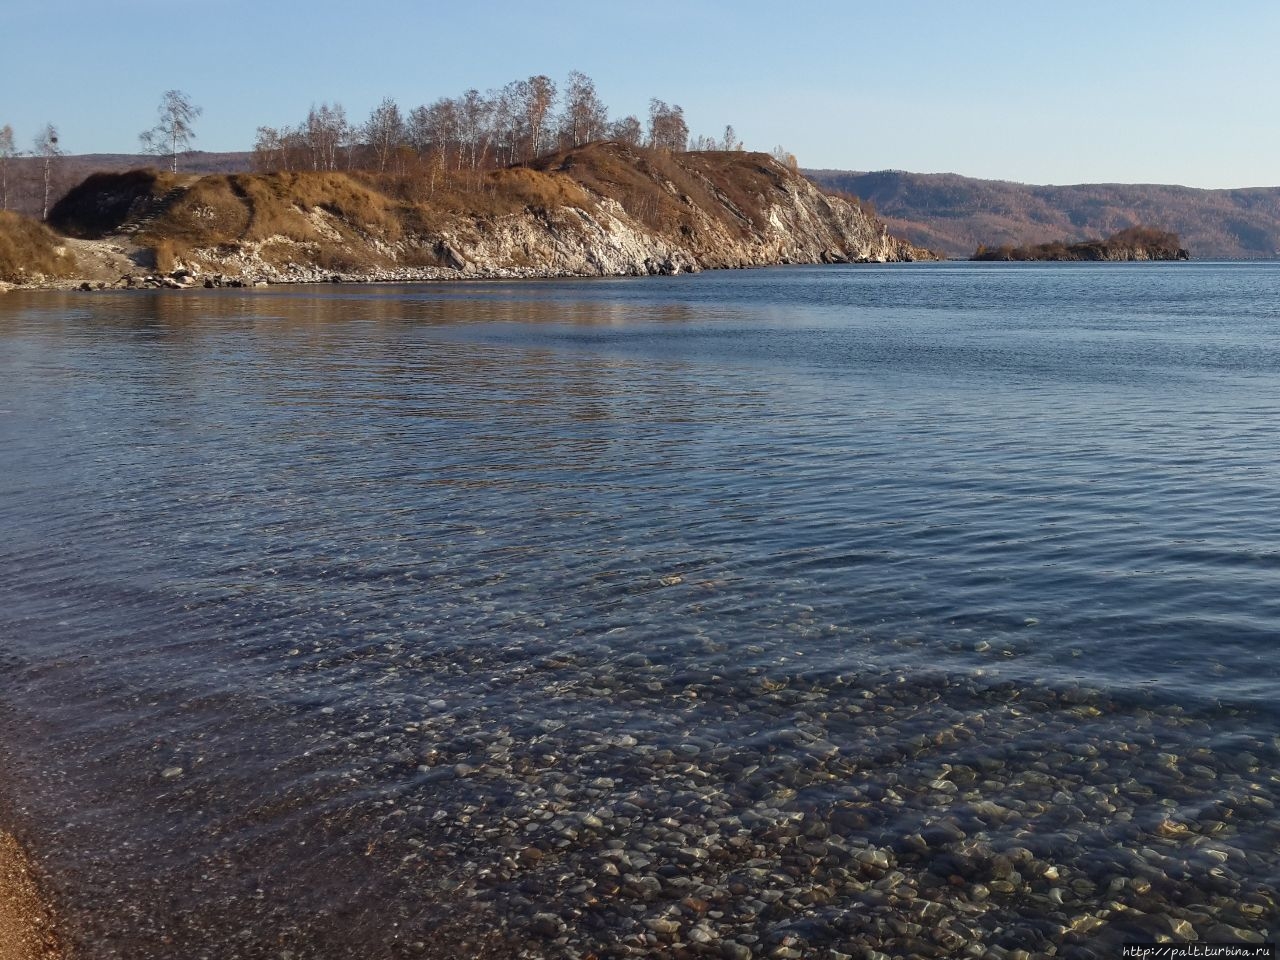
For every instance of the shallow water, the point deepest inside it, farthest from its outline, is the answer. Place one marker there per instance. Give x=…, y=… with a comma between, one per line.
x=775, y=611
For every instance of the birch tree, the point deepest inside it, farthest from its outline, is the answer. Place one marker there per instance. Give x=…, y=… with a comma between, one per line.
x=474, y=115
x=540, y=100
x=7, y=153
x=175, y=130
x=326, y=131
x=585, y=115
x=667, y=127
x=384, y=132
x=48, y=152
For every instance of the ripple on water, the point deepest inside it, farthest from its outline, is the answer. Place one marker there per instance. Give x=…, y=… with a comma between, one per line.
x=870, y=609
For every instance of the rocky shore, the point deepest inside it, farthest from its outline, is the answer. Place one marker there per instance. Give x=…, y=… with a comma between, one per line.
x=878, y=817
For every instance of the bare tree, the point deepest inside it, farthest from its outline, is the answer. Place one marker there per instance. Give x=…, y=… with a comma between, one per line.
x=507, y=119
x=384, y=132
x=49, y=153
x=175, y=131
x=436, y=129
x=326, y=131
x=540, y=100
x=7, y=153
x=273, y=149
x=585, y=115
x=731, y=141
x=667, y=129
x=474, y=115
x=628, y=130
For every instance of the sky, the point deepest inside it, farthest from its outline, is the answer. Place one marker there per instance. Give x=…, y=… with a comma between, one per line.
x=1133, y=92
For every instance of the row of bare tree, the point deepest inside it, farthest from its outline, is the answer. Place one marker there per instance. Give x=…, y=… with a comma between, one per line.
x=469, y=133
x=45, y=150
x=517, y=123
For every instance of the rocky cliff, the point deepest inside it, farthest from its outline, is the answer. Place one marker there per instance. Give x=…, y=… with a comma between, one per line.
x=601, y=210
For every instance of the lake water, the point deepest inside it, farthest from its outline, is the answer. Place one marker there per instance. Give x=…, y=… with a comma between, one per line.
x=780, y=613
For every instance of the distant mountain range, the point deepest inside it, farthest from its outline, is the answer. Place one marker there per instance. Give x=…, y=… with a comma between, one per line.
x=953, y=214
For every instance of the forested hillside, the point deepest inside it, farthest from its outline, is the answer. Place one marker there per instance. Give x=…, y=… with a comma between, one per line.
x=955, y=214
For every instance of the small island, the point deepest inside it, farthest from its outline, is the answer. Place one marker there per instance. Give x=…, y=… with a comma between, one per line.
x=1135, y=243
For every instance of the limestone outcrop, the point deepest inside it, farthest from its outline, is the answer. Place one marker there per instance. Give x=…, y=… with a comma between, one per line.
x=601, y=210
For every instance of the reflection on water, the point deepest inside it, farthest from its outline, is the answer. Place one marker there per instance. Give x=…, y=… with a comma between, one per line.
x=750, y=615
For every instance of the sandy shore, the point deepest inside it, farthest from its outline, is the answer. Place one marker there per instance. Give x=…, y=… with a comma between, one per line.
x=26, y=925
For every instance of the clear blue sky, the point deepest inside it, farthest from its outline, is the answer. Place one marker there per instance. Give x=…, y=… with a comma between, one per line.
x=1157, y=92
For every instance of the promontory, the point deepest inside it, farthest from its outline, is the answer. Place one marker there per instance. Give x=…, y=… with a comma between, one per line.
x=604, y=209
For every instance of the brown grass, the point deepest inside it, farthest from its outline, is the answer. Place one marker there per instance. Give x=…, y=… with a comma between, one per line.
x=667, y=191
x=29, y=249
x=222, y=211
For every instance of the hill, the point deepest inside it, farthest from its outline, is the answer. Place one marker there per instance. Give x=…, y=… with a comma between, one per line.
x=1134, y=243
x=955, y=214
x=605, y=209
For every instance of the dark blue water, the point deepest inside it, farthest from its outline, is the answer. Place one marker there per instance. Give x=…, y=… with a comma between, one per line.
x=276, y=562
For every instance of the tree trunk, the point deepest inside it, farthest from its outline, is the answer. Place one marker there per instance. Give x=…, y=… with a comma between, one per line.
x=48, y=173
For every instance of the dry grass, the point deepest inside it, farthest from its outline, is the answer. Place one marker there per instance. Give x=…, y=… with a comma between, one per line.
x=29, y=249
x=330, y=217
x=667, y=191
x=333, y=214
x=635, y=178
x=219, y=210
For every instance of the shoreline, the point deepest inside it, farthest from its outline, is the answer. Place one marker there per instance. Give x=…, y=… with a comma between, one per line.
x=27, y=929
x=301, y=275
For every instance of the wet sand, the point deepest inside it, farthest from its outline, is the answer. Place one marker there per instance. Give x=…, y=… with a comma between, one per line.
x=26, y=925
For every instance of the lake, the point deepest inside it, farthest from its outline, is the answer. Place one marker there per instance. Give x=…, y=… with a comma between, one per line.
x=789, y=613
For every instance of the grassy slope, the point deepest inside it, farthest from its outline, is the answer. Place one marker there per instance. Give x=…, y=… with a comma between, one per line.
x=28, y=248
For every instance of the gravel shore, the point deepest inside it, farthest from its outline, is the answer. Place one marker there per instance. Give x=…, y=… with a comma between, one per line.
x=26, y=926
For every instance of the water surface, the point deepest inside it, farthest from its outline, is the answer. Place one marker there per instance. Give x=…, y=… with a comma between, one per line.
x=386, y=619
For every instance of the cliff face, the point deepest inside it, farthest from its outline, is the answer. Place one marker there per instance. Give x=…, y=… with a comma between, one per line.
x=602, y=210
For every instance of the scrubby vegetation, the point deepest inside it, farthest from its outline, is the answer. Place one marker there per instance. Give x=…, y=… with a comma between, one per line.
x=30, y=250
x=1134, y=243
